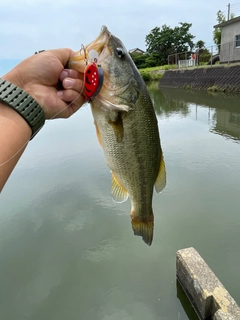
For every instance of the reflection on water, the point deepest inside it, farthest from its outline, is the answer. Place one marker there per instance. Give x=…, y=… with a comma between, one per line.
x=223, y=110
x=67, y=250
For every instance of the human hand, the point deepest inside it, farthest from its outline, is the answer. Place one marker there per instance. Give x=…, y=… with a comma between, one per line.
x=41, y=75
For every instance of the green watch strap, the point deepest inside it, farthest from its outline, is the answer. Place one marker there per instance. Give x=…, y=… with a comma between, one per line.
x=24, y=104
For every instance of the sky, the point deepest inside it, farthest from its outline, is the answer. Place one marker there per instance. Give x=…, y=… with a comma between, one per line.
x=27, y=26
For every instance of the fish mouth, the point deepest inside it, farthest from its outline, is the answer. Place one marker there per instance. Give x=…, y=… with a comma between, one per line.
x=81, y=57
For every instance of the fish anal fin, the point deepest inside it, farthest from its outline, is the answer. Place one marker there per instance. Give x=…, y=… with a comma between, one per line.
x=143, y=227
x=98, y=134
x=160, y=182
x=119, y=194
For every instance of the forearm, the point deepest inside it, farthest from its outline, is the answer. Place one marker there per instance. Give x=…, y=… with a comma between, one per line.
x=38, y=76
x=14, y=136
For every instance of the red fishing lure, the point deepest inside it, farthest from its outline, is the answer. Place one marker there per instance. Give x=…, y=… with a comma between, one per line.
x=93, y=80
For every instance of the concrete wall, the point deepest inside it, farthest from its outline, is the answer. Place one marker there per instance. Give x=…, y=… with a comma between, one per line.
x=208, y=296
x=225, y=79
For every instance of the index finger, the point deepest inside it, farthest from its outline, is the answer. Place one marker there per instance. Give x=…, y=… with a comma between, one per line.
x=70, y=73
x=63, y=54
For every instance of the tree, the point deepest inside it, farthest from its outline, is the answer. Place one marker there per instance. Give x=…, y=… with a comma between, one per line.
x=139, y=60
x=202, y=52
x=200, y=44
x=165, y=41
x=218, y=31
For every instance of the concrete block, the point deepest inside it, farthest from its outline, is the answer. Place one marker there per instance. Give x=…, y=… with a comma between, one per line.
x=220, y=315
x=206, y=293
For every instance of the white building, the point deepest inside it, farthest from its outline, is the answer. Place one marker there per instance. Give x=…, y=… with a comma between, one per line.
x=230, y=40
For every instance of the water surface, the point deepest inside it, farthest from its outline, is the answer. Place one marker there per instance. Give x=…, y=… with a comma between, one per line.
x=68, y=251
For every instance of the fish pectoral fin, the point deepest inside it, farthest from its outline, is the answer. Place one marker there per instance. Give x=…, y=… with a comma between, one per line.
x=119, y=194
x=143, y=227
x=110, y=106
x=160, y=182
x=117, y=125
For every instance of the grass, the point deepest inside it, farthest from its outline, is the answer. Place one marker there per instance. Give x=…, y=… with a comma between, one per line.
x=228, y=89
x=214, y=89
x=154, y=73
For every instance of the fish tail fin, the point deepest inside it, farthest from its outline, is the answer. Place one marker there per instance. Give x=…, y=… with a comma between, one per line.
x=143, y=227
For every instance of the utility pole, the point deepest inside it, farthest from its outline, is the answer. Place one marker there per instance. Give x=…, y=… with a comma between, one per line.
x=228, y=11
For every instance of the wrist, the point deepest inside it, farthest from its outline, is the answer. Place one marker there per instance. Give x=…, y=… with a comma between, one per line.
x=13, y=77
x=11, y=119
x=22, y=103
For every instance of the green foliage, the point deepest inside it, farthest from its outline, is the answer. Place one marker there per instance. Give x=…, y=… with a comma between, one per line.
x=204, y=57
x=144, y=60
x=203, y=53
x=139, y=59
x=152, y=60
x=200, y=44
x=214, y=89
x=146, y=76
x=164, y=41
x=218, y=31
x=152, y=74
x=217, y=36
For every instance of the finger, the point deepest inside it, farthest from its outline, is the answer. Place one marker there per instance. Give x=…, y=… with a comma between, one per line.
x=58, y=110
x=74, y=84
x=63, y=54
x=71, y=96
x=70, y=73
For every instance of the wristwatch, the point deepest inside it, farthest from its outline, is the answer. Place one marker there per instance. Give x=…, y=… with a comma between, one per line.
x=24, y=104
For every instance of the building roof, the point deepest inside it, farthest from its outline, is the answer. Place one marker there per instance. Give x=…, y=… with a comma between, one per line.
x=226, y=23
x=136, y=49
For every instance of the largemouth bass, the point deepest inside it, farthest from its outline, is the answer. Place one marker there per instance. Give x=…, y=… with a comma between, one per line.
x=127, y=130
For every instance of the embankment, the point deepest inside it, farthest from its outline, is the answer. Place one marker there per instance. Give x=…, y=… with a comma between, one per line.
x=224, y=79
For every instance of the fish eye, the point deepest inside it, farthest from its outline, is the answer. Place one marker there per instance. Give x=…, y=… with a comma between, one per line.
x=120, y=52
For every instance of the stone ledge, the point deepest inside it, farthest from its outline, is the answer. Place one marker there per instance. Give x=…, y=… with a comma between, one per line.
x=206, y=293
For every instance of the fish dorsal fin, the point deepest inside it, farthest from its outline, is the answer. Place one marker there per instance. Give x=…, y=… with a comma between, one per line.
x=160, y=182
x=119, y=194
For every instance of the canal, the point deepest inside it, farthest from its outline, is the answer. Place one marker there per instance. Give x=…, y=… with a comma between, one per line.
x=67, y=251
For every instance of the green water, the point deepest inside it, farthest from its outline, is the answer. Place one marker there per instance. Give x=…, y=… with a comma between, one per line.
x=67, y=251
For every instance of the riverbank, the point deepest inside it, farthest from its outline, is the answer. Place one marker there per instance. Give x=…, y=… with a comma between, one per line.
x=218, y=79
x=152, y=74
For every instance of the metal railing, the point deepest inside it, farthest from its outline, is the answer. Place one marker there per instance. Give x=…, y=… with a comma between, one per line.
x=224, y=54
